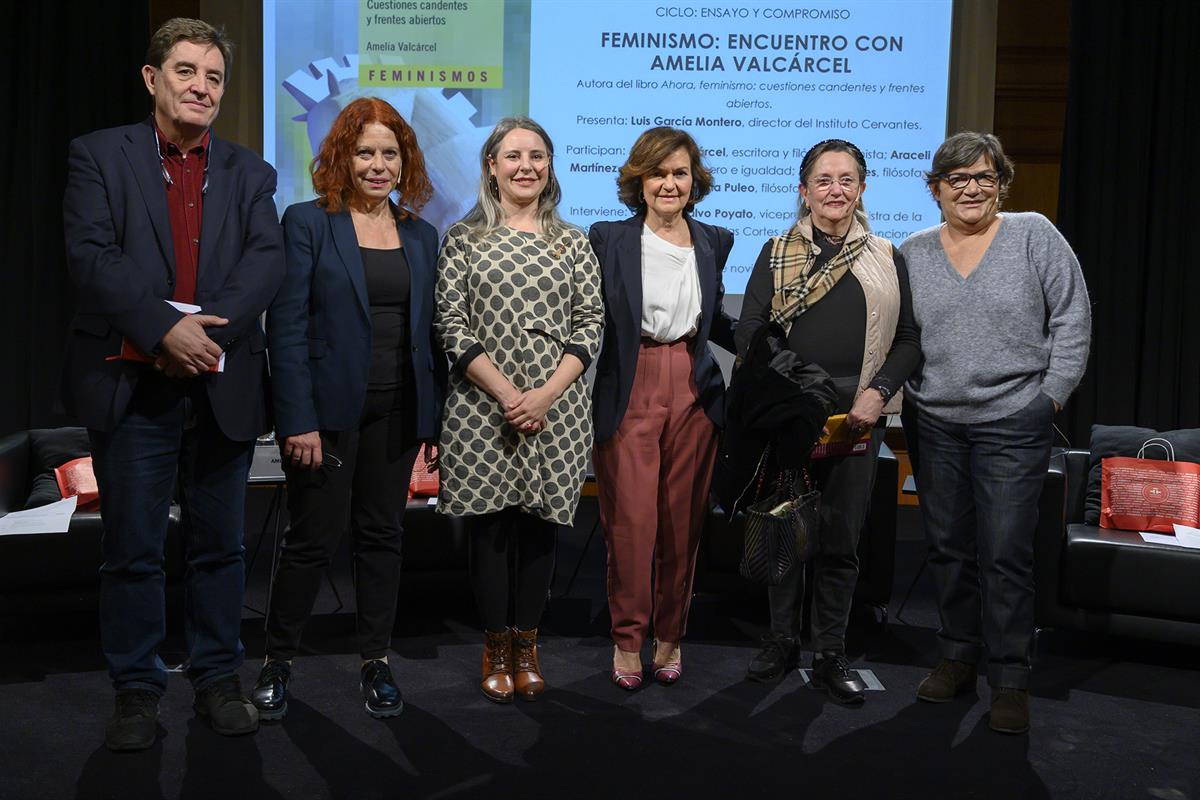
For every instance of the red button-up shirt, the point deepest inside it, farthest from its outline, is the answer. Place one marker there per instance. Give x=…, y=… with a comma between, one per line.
x=185, y=201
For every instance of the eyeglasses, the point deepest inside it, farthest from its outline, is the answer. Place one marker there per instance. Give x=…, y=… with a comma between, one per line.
x=960, y=180
x=824, y=183
x=162, y=164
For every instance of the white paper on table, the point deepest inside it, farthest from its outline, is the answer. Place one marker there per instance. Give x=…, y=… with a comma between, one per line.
x=1187, y=536
x=1166, y=538
x=54, y=518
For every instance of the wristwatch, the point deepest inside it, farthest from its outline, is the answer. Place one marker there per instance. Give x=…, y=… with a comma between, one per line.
x=884, y=392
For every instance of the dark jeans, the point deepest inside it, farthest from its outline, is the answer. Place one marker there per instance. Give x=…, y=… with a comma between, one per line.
x=169, y=431
x=367, y=493
x=846, y=484
x=979, y=486
x=512, y=566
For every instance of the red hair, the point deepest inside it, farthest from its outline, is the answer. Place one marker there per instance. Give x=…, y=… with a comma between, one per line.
x=333, y=175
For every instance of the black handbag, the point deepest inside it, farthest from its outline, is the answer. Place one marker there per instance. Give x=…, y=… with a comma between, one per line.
x=781, y=527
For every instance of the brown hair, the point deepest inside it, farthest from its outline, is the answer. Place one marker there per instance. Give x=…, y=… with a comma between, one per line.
x=651, y=149
x=183, y=29
x=333, y=175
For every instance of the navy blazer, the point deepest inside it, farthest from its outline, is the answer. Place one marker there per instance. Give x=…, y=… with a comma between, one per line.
x=122, y=259
x=319, y=327
x=618, y=246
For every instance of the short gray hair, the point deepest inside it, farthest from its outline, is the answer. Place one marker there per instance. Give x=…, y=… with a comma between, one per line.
x=964, y=149
x=488, y=215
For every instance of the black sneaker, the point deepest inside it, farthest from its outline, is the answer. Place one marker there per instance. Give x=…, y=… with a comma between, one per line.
x=831, y=672
x=270, y=690
x=380, y=692
x=777, y=656
x=134, y=722
x=226, y=708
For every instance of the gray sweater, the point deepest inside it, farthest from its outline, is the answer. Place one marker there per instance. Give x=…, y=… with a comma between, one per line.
x=1018, y=325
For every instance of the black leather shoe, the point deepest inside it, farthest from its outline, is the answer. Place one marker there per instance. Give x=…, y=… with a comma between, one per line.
x=134, y=722
x=380, y=691
x=226, y=708
x=831, y=672
x=778, y=655
x=270, y=690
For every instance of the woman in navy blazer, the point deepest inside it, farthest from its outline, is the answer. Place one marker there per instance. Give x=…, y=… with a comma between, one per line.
x=658, y=397
x=357, y=384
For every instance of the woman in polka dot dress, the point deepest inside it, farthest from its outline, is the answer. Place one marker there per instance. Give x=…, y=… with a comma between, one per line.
x=520, y=315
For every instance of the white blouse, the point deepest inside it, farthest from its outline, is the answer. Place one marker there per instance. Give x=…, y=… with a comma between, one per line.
x=670, y=289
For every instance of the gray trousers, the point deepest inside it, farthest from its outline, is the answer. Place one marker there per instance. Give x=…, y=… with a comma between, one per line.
x=846, y=484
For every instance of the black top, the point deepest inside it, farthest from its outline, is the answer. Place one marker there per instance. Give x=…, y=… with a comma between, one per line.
x=832, y=332
x=388, y=283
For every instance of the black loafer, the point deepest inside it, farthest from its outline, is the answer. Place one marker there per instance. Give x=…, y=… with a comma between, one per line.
x=777, y=656
x=270, y=690
x=831, y=672
x=380, y=692
x=226, y=708
x=134, y=722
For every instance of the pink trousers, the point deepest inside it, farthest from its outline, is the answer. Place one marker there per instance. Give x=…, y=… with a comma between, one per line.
x=653, y=477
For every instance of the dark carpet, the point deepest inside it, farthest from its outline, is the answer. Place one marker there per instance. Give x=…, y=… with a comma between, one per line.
x=1111, y=718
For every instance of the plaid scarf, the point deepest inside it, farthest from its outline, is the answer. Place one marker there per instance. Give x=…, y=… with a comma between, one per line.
x=792, y=258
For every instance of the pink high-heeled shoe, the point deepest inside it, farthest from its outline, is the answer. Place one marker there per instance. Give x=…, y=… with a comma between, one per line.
x=629, y=681
x=667, y=674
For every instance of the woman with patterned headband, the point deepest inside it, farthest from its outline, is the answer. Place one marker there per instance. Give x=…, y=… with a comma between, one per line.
x=842, y=295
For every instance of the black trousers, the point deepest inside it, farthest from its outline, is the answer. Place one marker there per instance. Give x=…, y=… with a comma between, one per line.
x=512, y=566
x=846, y=484
x=979, y=486
x=367, y=493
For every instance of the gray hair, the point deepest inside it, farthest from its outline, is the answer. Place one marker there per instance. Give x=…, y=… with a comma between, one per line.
x=183, y=29
x=810, y=160
x=964, y=149
x=488, y=214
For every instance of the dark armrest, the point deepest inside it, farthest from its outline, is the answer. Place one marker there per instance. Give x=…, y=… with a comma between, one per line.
x=14, y=471
x=1077, y=463
x=1049, y=541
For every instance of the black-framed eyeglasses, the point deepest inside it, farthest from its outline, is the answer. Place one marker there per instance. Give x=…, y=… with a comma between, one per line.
x=960, y=180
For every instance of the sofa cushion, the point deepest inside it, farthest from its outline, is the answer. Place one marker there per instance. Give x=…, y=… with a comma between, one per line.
x=53, y=447
x=1126, y=440
x=1117, y=571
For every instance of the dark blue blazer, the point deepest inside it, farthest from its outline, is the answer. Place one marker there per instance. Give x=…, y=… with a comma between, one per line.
x=122, y=259
x=618, y=246
x=319, y=327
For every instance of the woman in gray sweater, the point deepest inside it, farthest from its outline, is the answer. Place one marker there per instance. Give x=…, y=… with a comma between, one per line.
x=1005, y=325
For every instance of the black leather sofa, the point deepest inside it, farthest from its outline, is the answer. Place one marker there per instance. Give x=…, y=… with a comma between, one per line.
x=57, y=561
x=1108, y=581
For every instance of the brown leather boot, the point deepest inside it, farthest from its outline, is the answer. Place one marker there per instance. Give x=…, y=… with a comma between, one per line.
x=497, y=683
x=527, y=673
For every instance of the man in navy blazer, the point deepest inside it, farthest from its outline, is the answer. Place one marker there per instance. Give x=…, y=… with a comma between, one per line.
x=156, y=213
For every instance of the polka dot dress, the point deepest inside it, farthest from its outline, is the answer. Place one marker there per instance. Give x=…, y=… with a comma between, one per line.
x=527, y=302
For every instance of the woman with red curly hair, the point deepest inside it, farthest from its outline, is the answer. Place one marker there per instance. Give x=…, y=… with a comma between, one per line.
x=357, y=382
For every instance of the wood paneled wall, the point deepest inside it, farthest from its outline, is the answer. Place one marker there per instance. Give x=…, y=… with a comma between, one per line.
x=1032, y=42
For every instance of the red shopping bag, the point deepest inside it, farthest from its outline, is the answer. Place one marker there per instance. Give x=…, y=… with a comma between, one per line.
x=1140, y=494
x=76, y=478
x=424, y=482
